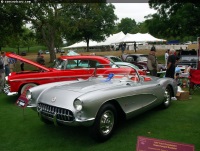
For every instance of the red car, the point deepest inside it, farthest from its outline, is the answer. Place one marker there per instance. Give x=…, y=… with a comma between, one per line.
x=65, y=68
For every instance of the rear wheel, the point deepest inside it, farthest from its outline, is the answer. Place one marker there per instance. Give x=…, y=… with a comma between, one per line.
x=27, y=86
x=104, y=123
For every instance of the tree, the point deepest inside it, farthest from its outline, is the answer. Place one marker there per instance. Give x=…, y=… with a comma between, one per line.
x=127, y=25
x=177, y=19
x=88, y=21
x=11, y=22
x=46, y=21
x=142, y=27
x=29, y=38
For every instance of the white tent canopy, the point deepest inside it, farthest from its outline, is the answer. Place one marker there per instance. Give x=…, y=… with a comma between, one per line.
x=112, y=39
x=82, y=44
x=119, y=38
x=109, y=40
x=139, y=38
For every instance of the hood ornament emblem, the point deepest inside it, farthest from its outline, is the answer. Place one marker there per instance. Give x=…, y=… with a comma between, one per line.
x=53, y=99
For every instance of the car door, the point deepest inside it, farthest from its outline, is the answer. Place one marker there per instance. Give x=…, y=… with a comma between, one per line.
x=141, y=96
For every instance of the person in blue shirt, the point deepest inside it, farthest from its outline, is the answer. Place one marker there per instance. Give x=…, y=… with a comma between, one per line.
x=12, y=62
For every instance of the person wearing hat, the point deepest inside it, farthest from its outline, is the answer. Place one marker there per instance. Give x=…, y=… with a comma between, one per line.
x=152, y=63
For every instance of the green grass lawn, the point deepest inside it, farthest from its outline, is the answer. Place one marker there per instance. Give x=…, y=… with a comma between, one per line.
x=21, y=130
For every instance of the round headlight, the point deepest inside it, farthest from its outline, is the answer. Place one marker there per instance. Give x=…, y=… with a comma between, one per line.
x=28, y=94
x=78, y=105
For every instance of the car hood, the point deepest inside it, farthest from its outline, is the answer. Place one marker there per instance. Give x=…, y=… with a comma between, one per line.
x=86, y=86
x=67, y=93
x=12, y=55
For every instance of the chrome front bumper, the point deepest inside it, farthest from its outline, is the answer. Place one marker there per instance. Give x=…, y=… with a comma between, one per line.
x=7, y=90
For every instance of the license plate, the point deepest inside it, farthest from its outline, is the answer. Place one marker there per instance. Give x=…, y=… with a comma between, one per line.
x=21, y=103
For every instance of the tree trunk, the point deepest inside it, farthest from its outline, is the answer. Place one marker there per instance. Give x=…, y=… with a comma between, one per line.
x=49, y=38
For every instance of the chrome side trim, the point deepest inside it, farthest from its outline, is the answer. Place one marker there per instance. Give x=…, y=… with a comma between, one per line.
x=7, y=91
x=58, y=77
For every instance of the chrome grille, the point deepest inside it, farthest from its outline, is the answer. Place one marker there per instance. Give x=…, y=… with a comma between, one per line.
x=52, y=111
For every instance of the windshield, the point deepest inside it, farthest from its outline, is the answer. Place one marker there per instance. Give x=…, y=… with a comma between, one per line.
x=189, y=58
x=116, y=59
x=126, y=65
x=143, y=58
x=79, y=63
x=120, y=73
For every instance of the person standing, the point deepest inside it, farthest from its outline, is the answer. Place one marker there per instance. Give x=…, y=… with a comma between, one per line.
x=123, y=48
x=6, y=63
x=22, y=65
x=166, y=57
x=153, y=48
x=2, y=75
x=135, y=46
x=171, y=64
x=152, y=63
x=12, y=63
x=40, y=59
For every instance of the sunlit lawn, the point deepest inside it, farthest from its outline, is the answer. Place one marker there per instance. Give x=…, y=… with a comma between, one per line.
x=21, y=130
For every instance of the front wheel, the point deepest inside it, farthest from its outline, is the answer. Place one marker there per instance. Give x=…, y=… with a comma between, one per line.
x=26, y=87
x=167, y=97
x=104, y=123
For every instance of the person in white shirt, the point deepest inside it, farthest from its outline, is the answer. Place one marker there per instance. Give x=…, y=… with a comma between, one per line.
x=166, y=57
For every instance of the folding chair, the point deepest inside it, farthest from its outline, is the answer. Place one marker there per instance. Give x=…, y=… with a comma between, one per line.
x=194, y=81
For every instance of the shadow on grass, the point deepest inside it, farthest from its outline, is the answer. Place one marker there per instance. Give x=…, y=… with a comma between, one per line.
x=8, y=99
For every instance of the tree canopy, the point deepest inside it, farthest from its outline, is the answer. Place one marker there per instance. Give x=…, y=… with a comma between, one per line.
x=74, y=22
x=127, y=25
x=89, y=21
x=11, y=22
x=174, y=18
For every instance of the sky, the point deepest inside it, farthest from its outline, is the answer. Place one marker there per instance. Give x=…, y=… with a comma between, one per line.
x=135, y=11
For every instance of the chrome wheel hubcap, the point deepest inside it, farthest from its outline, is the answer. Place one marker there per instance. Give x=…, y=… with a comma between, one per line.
x=107, y=122
x=167, y=97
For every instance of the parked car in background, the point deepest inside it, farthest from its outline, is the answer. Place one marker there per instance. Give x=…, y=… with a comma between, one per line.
x=46, y=51
x=140, y=60
x=114, y=58
x=187, y=58
x=65, y=68
x=59, y=50
x=187, y=43
x=62, y=51
x=23, y=53
x=100, y=102
x=130, y=65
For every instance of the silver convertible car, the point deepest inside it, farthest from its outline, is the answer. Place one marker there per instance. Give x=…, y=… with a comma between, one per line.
x=100, y=101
